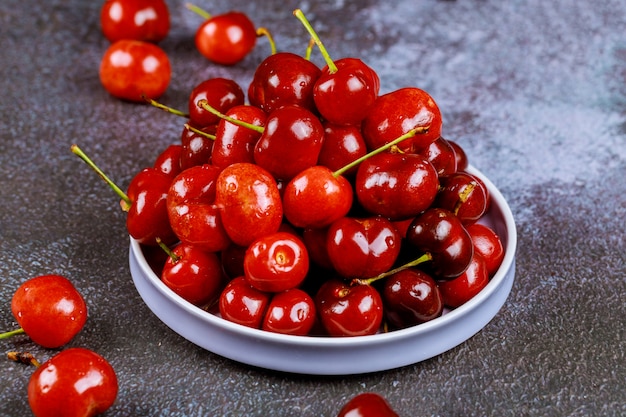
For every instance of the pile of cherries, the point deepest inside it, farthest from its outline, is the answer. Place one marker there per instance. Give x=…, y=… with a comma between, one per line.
x=319, y=207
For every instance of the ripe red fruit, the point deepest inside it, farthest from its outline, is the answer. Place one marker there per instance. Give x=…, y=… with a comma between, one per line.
x=194, y=274
x=283, y=79
x=219, y=93
x=74, y=382
x=142, y=20
x=235, y=143
x=398, y=112
x=458, y=291
x=276, y=262
x=441, y=154
x=342, y=145
x=196, y=148
x=250, y=202
x=397, y=186
x=488, y=244
x=49, y=309
x=462, y=194
x=290, y=312
x=133, y=70
x=411, y=297
x=346, y=310
x=368, y=404
x=168, y=161
x=243, y=304
x=227, y=38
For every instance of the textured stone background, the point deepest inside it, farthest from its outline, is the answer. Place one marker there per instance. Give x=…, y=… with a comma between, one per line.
x=535, y=92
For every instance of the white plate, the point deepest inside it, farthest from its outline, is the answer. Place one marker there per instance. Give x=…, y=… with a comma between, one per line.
x=334, y=355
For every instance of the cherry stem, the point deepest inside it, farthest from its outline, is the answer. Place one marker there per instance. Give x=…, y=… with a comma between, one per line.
x=206, y=106
x=167, y=250
x=77, y=151
x=309, y=49
x=168, y=109
x=332, y=68
x=265, y=32
x=6, y=335
x=199, y=132
x=197, y=10
x=368, y=281
x=407, y=135
x=23, y=357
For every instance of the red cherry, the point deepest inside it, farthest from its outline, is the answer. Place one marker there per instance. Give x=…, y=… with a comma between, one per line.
x=147, y=217
x=461, y=157
x=291, y=142
x=249, y=201
x=398, y=112
x=441, y=235
x=49, y=309
x=342, y=145
x=241, y=303
x=488, y=244
x=346, y=310
x=441, y=154
x=168, y=161
x=74, y=382
x=235, y=143
x=196, y=147
x=397, y=186
x=462, y=194
x=227, y=38
x=411, y=297
x=219, y=93
x=192, y=210
x=133, y=70
x=367, y=404
x=283, y=79
x=315, y=241
x=316, y=197
x=276, y=262
x=193, y=274
x=290, y=312
x=142, y=20
x=458, y=291
x=362, y=247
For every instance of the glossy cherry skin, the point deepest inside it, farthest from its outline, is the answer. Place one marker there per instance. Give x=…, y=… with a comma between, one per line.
x=196, y=148
x=276, y=262
x=147, y=217
x=367, y=404
x=193, y=274
x=342, y=145
x=283, y=79
x=220, y=93
x=362, y=247
x=74, y=382
x=249, y=201
x=441, y=234
x=397, y=186
x=133, y=70
x=290, y=312
x=192, y=211
x=441, y=155
x=488, y=244
x=462, y=161
x=398, y=112
x=234, y=143
x=142, y=20
x=168, y=161
x=346, y=310
x=460, y=290
x=463, y=195
x=315, y=241
x=227, y=38
x=316, y=198
x=411, y=297
x=49, y=309
x=243, y=304
x=291, y=142
x=345, y=96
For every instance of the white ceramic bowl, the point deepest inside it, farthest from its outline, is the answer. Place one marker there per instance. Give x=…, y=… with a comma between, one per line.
x=333, y=355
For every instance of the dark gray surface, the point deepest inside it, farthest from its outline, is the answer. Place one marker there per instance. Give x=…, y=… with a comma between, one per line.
x=535, y=92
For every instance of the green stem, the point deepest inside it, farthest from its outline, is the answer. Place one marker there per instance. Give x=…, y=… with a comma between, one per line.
x=166, y=108
x=206, y=106
x=265, y=32
x=197, y=10
x=407, y=135
x=332, y=68
x=77, y=151
x=6, y=335
x=199, y=132
x=368, y=281
x=175, y=258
